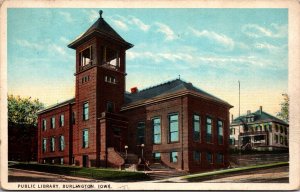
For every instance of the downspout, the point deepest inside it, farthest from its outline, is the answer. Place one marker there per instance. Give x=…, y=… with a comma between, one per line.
x=70, y=134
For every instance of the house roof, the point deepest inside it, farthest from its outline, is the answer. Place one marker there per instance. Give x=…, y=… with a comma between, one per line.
x=102, y=28
x=165, y=89
x=51, y=107
x=260, y=117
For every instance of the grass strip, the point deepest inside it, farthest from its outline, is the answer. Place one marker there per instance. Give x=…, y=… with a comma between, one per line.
x=234, y=170
x=92, y=173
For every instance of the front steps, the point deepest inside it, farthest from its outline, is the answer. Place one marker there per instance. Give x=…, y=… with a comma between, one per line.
x=159, y=172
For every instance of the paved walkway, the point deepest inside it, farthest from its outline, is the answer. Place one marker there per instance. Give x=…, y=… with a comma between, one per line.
x=271, y=175
x=274, y=175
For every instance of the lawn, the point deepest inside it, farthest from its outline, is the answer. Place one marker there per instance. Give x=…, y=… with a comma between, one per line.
x=208, y=175
x=93, y=173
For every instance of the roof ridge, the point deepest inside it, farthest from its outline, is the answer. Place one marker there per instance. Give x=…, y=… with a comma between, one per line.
x=270, y=115
x=161, y=84
x=57, y=104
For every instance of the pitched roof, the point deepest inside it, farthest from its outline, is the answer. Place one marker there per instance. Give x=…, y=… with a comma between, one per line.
x=259, y=117
x=51, y=107
x=167, y=88
x=102, y=28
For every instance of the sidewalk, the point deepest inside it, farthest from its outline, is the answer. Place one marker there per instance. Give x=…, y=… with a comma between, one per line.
x=264, y=175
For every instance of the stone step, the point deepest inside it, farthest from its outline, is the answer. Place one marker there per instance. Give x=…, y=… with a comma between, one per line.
x=159, y=167
x=158, y=175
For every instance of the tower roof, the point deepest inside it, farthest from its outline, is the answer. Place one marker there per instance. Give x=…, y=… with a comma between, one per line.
x=100, y=28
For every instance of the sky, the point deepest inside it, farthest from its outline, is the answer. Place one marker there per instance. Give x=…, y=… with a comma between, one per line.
x=211, y=48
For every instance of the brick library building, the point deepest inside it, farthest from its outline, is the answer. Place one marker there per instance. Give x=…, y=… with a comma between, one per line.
x=173, y=124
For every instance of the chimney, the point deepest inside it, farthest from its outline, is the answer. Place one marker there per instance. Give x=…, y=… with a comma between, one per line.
x=134, y=90
x=248, y=112
x=260, y=109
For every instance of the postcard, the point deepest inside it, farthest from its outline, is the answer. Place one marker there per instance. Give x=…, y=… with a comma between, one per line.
x=150, y=95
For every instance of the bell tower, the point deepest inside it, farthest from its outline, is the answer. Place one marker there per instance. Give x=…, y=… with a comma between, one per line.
x=100, y=84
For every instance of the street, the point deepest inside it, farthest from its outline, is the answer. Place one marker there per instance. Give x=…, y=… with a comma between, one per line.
x=18, y=175
x=271, y=175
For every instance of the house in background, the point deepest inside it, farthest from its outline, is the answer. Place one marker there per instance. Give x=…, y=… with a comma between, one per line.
x=174, y=124
x=259, y=131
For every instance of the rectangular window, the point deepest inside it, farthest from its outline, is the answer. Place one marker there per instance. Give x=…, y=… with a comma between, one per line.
x=220, y=132
x=281, y=140
x=156, y=156
x=231, y=141
x=111, y=58
x=208, y=130
x=197, y=132
x=197, y=156
x=44, y=124
x=110, y=79
x=110, y=107
x=141, y=133
x=61, y=143
x=86, y=56
x=276, y=128
x=61, y=120
x=220, y=158
x=86, y=111
x=52, y=144
x=209, y=157
x=173, y=128
x=270, y=128
x=286, y=141
x=52, y=122
x=174, y=157
x=231, y=131
x=276, y=138
x=285, y=130
x=156, y=130
x=44, y=148
x=85, y=138
x=281, y=129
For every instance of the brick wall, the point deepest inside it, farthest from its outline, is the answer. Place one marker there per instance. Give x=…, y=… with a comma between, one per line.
x=215, y=111
x=56, y=133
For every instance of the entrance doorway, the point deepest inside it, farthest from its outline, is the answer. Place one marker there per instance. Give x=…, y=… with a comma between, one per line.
x=117, y=140
x=85, y=160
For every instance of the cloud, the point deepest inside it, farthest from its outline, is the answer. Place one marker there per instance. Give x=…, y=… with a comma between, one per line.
x=140, y=24
x=194, y=60
x=282, y=30
x=257, y=31
x=221, y=39
x=92, y=15
x=25, y=43
x=64, y=40
x=120, y=24
x=267, y=46
x=67, y=16
x=51, y=49
x=57, y=49
x=132, y=55
x=166, y=30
